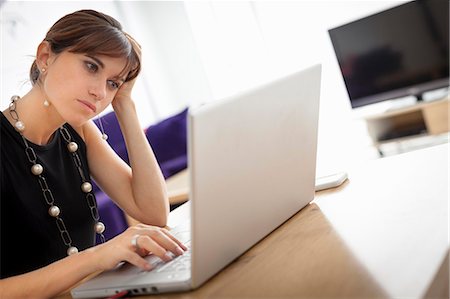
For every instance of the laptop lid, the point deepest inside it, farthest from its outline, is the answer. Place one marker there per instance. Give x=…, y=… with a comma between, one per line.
x=252, y=162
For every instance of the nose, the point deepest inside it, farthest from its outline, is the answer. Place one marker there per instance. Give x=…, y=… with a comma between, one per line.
x=98, y=91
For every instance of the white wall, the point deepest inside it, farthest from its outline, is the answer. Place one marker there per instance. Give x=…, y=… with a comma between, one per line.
x=174, y=71
x=24, y=25
x=244, y=43
x=296, y=34
x=197, y=51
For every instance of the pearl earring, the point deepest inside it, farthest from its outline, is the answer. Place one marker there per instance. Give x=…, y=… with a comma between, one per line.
x=46, y=102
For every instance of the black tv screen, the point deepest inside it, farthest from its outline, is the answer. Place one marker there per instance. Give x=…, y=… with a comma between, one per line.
x=398, y=52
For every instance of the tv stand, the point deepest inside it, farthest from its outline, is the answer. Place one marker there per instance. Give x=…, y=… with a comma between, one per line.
x=403, y=126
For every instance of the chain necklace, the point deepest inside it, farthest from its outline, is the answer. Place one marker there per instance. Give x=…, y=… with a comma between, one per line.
x=37, y=170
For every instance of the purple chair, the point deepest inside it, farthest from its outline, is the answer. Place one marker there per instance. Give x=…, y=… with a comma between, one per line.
x=168, y=141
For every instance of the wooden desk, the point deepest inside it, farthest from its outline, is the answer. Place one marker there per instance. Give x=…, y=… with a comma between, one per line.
x=384, y=233
x=178, y=187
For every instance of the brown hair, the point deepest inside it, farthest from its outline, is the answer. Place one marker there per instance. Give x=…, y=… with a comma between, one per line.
x=94, y=33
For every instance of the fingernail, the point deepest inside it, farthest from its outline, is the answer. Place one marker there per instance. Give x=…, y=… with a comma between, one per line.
x=167, y=257
x=148, y=267
x=179, y=251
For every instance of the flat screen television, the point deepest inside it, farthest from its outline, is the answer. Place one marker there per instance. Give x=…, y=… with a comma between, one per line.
x=395, y=53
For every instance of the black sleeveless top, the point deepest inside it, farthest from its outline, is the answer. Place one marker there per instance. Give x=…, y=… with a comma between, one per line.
x=29, y=237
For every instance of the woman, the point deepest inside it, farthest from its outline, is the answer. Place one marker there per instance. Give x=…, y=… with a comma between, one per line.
x=49, y=150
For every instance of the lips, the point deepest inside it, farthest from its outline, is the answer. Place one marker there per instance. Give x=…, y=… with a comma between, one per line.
x=88, y=105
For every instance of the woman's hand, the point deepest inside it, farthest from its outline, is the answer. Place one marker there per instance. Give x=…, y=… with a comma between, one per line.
x=124, y=92
x=149, y=240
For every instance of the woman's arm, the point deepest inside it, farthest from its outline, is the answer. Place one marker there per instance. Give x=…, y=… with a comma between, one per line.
x=51, y=280
x=62, y=275
x=140, y=190
x=148, y=184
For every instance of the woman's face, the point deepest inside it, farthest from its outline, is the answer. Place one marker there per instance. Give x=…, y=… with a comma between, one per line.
x=81, y=86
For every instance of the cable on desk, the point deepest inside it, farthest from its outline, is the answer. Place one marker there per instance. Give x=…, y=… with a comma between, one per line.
x=119, y=295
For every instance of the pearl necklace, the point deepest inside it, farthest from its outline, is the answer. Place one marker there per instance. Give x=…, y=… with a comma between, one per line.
x=37, y=170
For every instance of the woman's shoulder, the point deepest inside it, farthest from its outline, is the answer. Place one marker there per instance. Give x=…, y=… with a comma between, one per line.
x=8, y=132
x=3, y=119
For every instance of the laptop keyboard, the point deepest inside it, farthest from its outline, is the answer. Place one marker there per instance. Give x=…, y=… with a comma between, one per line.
x=180, y=263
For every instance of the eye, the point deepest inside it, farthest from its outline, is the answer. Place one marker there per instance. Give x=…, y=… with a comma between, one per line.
x=92, y=67
x=113, y=84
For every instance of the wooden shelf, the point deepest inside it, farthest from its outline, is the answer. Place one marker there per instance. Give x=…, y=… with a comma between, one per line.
x=423, y=119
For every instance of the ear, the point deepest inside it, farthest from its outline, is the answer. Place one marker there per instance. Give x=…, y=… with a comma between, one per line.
x=44, y=55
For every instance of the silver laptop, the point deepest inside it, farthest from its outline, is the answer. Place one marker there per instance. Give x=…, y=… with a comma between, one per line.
x=252, y=162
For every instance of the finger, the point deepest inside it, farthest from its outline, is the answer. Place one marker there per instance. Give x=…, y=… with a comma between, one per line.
x=152, y=246
x=142, y=251
x=179, y=243
x=137, y=260
x=169, y=242
x=127, y=86
x=163, y=237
